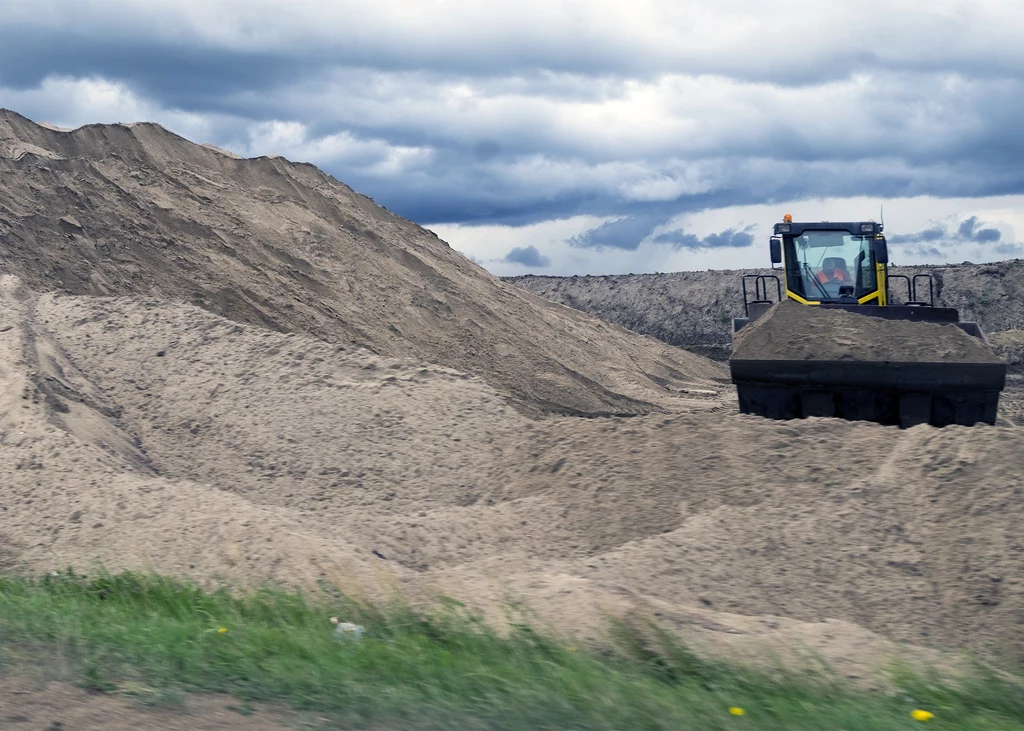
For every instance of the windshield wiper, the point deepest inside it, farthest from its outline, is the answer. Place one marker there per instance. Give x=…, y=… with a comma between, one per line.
x=814, y=279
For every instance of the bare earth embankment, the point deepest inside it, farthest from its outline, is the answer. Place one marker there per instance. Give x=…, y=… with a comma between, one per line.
x=242, y=369
x=695, y=309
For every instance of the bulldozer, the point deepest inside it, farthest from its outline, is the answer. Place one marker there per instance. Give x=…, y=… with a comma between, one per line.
x=844, y=266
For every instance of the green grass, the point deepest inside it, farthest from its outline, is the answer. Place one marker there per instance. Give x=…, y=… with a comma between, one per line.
x=442, y=670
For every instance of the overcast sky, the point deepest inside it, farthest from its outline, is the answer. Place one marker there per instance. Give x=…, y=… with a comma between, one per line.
x=578, y=136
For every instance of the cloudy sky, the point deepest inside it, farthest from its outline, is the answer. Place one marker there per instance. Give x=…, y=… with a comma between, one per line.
x=578, y=136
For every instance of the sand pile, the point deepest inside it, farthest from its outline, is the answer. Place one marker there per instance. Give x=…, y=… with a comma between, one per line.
x=284, y=419
x=134, y=209
x=78, y=487
x=1010, y=346
x=147, y=433
x=790, y=331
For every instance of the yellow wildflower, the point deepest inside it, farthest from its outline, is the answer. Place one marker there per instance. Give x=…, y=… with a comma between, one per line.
x=222, y=630
x=919, y=715
x=737, y=711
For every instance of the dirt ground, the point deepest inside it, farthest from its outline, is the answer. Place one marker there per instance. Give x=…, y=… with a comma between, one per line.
x=33, y=703
x=328, y=392
x=1010, y=345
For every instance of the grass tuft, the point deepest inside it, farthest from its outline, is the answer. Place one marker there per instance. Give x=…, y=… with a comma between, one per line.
x=156, y=638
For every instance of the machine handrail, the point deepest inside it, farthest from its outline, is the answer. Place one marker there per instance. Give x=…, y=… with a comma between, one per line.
x=931, y=289
x=912, y=298
x=760, y=290
x=888, y=289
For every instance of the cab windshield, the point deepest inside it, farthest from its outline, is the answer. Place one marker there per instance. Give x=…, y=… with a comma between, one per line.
x=827, y=265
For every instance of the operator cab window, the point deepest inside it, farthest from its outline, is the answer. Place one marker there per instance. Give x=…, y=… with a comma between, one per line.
x=823, y=265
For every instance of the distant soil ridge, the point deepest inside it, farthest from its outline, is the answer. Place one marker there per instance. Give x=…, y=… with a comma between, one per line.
x=133, y=209
x=695, y=309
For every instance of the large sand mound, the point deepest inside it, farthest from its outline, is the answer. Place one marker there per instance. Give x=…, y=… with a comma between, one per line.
x=148, y=433
x=134, y=209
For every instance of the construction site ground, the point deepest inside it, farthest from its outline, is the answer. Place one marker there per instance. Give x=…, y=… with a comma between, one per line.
x=192, y=385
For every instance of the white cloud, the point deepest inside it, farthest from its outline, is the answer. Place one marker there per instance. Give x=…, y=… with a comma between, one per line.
x=669, y=117
x=71, y=102
x=657, y=186
x=293, y=141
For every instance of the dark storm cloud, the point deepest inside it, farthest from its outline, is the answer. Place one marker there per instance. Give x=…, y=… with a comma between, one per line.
x=565, y=111
x=103, y=42
x=925, y=244
x=629, y=232
x=527, y=256
x=934, y=233
x=463, y=189
x=822, y=41
x=726, y=239
x=1009, y=249
x=623, y=233
x=968, y=231
x=187, y=77
x=464, y=197
x=926, y=252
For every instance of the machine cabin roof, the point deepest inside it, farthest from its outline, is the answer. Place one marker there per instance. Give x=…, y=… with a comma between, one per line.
x=856, y=228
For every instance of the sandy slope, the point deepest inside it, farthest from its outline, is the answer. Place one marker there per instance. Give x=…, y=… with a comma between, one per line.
x=246, y=453
x=119, y=209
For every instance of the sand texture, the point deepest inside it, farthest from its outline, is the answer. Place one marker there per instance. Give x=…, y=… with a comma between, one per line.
x=142, y=433
x=791, y=331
